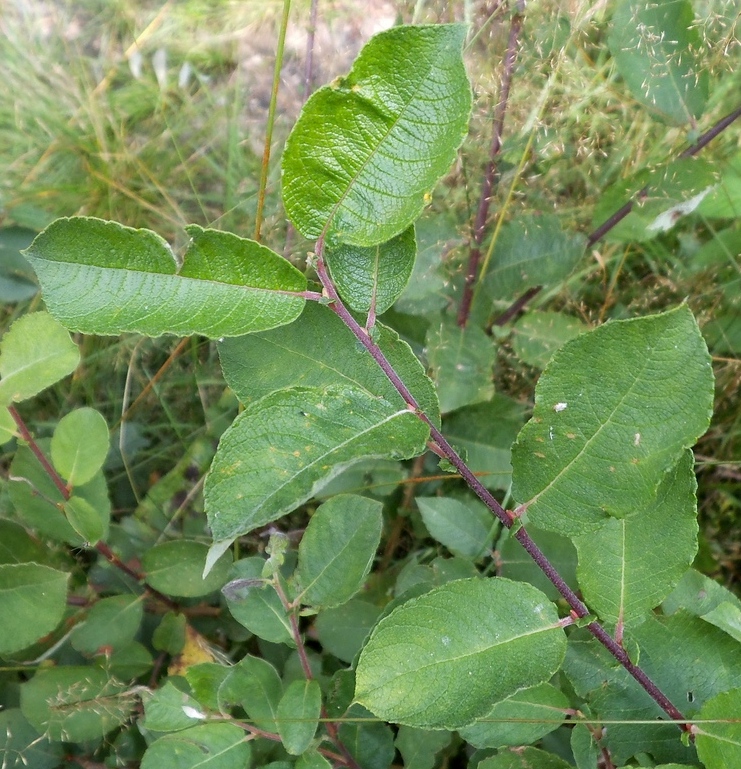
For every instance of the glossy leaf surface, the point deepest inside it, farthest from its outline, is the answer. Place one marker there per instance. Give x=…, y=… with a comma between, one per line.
x=614, y=410
x=80, y=445
x=368, y=149
x=441, y=660
x=281, y=449
x=103, y=278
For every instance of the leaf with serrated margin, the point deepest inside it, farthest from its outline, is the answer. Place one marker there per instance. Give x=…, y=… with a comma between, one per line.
x=100, y=277
x=625, y=568
x=373, y=276
x=367, y=150
x=657, y=50
x=281, y=449
x=317, y=351
x=441, y=660
x=614, y=411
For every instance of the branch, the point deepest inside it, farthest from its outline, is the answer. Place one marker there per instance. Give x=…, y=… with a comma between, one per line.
x=482, y=215
x=578, y=608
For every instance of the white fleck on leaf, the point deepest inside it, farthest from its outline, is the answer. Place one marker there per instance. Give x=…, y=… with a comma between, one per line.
x=560, y=407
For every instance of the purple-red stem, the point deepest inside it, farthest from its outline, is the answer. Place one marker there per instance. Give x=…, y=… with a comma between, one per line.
x=482, y=215
x=623, y=211
x=579, y=609
x=57, y=480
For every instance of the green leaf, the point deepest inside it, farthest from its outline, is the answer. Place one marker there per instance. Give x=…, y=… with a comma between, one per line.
x=171, y=710
x=698, y=595
x=371, y=744
x=371, y=477
x=719, y=744
x=531, y=251
x=367, y=150
x=661, y=197
x=209, y=746
x=515, y=563
x=176, y=568
x=726, y=616
x=317, y=351
x=337, y=550
x=254, y=603
x=495, y=637
x=312, y=760
x=657, y=50
x=614, y=410
x=39, y=503
x=254, y=684
x=35, y=353
x=724, y=202
x=18, y=546
x=343, y=629
x=282, y=449
x=169, y=636
x=17, y=281
x=75, y=704
x=205, y=679
x=521, y=719
x=466, y=530
x=22, y=747
x=112, y=622
x=33, y=599
x=85, y=520
x=625, y=567
x=8, y=427
x=419, y=747
x=486, y=432
x=373, y=276
x=524, y=758
x=298, y=715
x=103, y=278
x=127, y=663
x=438, y=234
x=584, y=747
x=80, y=445
x=537, y=335
x=461, y=363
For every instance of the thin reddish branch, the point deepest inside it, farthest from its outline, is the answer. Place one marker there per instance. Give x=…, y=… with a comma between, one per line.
x=491, y=173
x=579, y=609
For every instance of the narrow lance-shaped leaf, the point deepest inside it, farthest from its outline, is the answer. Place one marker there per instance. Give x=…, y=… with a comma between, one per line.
x=367, y=150
x=625, y=567
x=614, y=410
x=441, y=660
x=281, y=449
x=103, y=278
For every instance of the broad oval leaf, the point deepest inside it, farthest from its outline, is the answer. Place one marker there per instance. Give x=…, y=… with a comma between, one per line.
x=461, y=363
x=209, y=746
x=465, y=529
x=316, y=351
x=367, y=150
x=112, y=622
x=719, y=740
x=337, y=549
x=625, y=568
x=440, y=660
x=79, y=445
x=75, y=703
x=298, y=715
x=175, y=568
x=657, y=49
x=373, y=277
x=531, y=251
x=537, y=335
x=281, y=449
x=35, y=353
x=254, y=684
x=100, y=277
x=33, y=599
x=22, y=747
x=614, y=410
